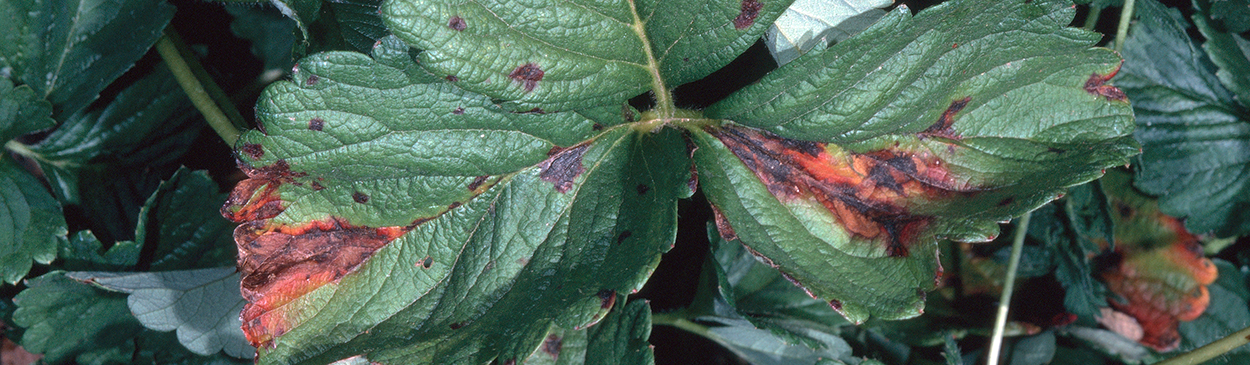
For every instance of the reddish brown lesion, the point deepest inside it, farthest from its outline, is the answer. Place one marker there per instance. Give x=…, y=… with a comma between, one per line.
x=944, y=125
x=867, y=193
x=1097, y=85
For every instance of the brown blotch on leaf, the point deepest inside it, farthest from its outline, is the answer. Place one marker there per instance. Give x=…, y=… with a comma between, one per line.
x=316, y=186
x=533, y=111
x=456, y=23
x=942, y=128
x=316, y=124
x=836, y=305
x=624, y=235
x=722, y=225
x=560, y=170
x=1097, y=85
x=552, y=346
x=607, y=298
x=458, y=111
x=477, y=182
x=453, y=205
x=312, y=80
x=748, y=12
x=642, y=189
x=597, y=127
x=257, y=196
x=360, y=197
x=253, y=150
x=528, y=75
x=426, y=262
x=451, y=78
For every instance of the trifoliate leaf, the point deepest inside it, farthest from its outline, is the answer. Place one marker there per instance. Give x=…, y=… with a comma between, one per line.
x=389, y=212
x=183, y=221
x=201, y=305
x=21, y=111
x=31, y=224
x=561, y=56
x=69, y=50
x=942, y=125
x=811, y=23
x=1187, y=123
x=84, y=252
x=68, y=321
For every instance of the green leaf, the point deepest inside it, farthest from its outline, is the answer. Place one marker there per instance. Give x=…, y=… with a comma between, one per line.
x=69, y=50
x=389, y=212
x=1233, y=14
x=31, y=224
x=951, y=352
x=811, y=23
x=182, y=220
x=303, y=12
x=201, y=305
x=1037, y=349
x=345, y=25
x=1187, y=123
x=560, y=56
x=1227, y=313
x=1230, y=52
x=1072, y=232
x=147, y=124
x=84, y=252
x=951, y=128
x=68, y=321
x=621, y=338
x=764, y=347
x=21, y=111
x=272, y=34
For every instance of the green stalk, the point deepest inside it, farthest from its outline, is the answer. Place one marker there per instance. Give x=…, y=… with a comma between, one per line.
x=678, y=319
x=1092, y=19
x=204, y=93
x=1211, y=350
x=1126, y=16
x=1004, y=302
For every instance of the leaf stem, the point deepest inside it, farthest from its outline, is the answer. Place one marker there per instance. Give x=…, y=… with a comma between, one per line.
x=1091, y=20
x=664, y=107
x=1126, y=16
x=1211, y=350
x=1004, y=302
x=195, y=82
x=678, y=319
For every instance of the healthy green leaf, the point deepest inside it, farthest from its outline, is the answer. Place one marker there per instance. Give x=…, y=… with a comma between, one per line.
x=1191, y=128
x=620, y=338
x=345, y=25
x=272, y=34
x=303, y=12
x=68, y=321
x=201, y=305
x=560, y=56
x=1069, y=234
x=764, y=347
x=942, y=142
x=31, y=224
x=84, y=252
x=69, y=50
x=1037, y=349
x=1230, y=52
x=811, y=23
x=21, y=111
x=183, y=221
x=1233, y=14
x=391, y=214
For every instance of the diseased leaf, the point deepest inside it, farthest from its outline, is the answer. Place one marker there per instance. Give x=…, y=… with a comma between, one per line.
x=31, y=224
x=201, y=305
x=69, y=50
x=561, y=56
x=942, y=142
x=1191, y=128
x=68, y=321
x=22, y=111
x=388, y=211
x=1227, y=313
x=813, y=23
x=1158, y=273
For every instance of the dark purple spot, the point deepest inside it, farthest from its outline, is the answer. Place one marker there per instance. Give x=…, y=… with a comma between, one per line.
x=625, y=234
x=458, y=325
x=1006, y=201
x=452, y=78
x=597, y=127
x=316, y=124
x=312, y=80
x=836, y=304
x=458, y=111
x=360, y=197
x=427, y=262
x=456, y=23
x=477, y=182
x=685, y=59
x=552, y=346
x=561, y=169
x=606, y=298
x=453, y=205
x=528, y=75
x=642, y=189
x=255, y=151
x=510, y=362
x=746, y=17
x=316, y=186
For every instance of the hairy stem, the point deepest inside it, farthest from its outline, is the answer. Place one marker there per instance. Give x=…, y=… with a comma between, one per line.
x=204, y=93
x=1211, y=350
x=1004, y=302
x=1126, y=16
x=664, y=106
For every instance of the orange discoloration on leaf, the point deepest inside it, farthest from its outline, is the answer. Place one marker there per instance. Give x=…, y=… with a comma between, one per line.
x=868, y=193
x=282, y=263
x=257, y=196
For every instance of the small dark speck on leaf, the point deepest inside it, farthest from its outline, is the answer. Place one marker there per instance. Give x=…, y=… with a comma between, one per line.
x=360, y=197
x=316, y=124
x=427, y=262
x=642, y=188
x=456, y=23
x=837, y=305
x=528, y=75
x=749, y=11
x=453, y=205
x=597, y=127
x=452, y=78
x=606, y=298
x=458, y=111
x=477, y=182
x=624, y=234
x=1097, y=85
x=458, y=325
x=317, y=186
x=253, y=150
x=312, y=80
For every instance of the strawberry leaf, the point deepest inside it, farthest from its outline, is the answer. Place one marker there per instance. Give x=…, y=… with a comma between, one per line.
x=31, y=224
x=916, y=129
x=391, y=215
